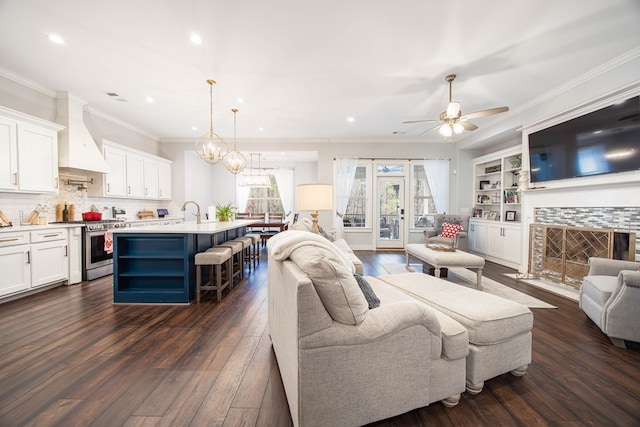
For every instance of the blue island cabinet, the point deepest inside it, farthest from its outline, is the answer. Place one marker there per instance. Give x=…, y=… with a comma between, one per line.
x=154, y=268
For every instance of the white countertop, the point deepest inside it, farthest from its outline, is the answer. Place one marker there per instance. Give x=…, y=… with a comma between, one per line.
x=207, y=227
x=18, y=228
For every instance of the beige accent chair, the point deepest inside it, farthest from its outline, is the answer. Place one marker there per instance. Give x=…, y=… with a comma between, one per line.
x=433, y=236
x=342, y=363
x=610, y=296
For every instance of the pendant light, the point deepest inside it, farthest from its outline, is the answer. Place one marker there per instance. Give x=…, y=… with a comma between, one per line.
x=210, y=147
x=235, y=161
x=259, y=180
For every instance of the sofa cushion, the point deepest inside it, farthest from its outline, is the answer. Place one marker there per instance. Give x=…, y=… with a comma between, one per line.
x=334, y=282
x=599, y=288
x=367, y=291
x=450, y=230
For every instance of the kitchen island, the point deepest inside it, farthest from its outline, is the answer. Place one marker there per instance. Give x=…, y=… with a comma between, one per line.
x=155, y=264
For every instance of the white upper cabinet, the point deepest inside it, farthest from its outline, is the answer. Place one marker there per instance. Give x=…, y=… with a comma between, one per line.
x=133, y=174
x=31, y=147
x=164, y=180
x=151, y=182
x=115, y=182
x=9, y=158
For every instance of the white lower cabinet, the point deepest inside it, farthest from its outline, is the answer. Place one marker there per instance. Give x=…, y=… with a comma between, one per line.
x=478, y=237
x=15, y=264
x=496, y=241
x=49, y=256
x=75, y=255
x=29, y=260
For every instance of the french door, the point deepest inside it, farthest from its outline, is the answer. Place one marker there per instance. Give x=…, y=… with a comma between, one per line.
x=390, y=211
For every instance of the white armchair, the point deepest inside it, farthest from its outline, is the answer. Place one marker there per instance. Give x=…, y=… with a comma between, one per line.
x=610, y=296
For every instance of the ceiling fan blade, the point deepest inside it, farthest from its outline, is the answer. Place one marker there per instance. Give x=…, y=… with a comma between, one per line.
x=468, y=126
x=429, y=130
x=484, y=113
x=420, y=121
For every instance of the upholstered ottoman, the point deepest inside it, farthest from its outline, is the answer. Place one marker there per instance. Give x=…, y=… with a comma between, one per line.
x=439, y=259
x=499, y=329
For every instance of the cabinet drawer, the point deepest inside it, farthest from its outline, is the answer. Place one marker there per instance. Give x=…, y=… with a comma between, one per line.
x=48, y=235
x=12, y=239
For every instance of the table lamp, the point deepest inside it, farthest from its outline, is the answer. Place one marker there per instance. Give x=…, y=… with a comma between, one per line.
x=314, y=198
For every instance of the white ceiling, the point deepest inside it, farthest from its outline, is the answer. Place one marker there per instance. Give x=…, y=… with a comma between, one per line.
x=303, y=68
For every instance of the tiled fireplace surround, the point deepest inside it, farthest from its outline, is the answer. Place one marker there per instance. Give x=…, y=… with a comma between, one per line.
x=611, y=201
x=618, y=218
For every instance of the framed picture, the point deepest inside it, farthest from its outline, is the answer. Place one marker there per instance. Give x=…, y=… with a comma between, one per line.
x=484, y=185
x=477, y=212
x=493, y=215
x=510, y=216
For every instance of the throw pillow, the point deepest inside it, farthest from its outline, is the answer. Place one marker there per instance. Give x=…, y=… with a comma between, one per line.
x=334, y=283
x=325, y=234
x=367, y=290
x=450, y=230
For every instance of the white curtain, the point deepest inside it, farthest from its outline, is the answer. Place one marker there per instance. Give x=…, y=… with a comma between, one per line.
x=438, y=177
x=284, y=180
x=345, y=172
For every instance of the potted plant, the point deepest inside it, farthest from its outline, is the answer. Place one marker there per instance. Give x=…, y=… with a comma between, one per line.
x=225, y=212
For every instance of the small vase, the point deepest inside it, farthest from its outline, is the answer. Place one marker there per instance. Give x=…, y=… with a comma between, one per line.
x=523, y=181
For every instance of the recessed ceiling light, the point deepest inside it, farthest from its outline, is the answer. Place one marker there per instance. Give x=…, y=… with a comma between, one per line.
x=240, y=100
x=54, y=38
x=260, y=129
x=196, y=39
x=150, y=99
x=194, y=128
x=351, y=119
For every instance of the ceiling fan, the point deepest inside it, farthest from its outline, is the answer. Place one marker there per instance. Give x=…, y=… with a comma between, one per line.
x=452, y=121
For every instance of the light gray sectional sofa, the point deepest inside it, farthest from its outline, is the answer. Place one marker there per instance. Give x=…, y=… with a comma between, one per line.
x=343, y=364
x=351, y=352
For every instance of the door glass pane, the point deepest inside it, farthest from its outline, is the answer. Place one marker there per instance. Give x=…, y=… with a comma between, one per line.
x=390, y=169
x=389, y=203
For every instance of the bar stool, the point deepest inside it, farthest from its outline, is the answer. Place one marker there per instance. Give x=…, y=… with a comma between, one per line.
x=255, y=256
x=237, y=249
x=214, y=258
x=247, y=244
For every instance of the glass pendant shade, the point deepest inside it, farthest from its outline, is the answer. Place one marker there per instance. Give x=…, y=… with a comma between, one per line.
x=458, y=128
x=210, y=147
x=234, y=161
x=445, y=130
x=258, y=180
x=453, y=109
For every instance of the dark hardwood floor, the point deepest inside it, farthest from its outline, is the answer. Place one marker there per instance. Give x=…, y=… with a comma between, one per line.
x=69, y=357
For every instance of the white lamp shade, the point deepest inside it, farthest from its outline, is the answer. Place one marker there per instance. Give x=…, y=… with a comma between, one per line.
x=445, y=130
x=315, y=197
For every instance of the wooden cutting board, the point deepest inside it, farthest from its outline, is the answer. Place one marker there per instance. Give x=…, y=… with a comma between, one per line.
x=145, y=214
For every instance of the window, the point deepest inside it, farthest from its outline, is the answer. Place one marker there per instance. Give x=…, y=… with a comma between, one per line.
x=264, y=199
x=356, y=213
x=423, y=205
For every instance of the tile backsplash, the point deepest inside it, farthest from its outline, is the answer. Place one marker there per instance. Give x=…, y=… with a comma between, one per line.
x=618, y=218
x=12, y=203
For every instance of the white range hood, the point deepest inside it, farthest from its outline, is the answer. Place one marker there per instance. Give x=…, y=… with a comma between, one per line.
x=76, y=147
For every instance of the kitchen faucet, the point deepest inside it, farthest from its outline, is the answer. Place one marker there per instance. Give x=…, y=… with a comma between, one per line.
x=197, y=212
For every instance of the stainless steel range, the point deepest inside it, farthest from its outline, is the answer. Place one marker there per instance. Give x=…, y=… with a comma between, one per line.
x=97, y=262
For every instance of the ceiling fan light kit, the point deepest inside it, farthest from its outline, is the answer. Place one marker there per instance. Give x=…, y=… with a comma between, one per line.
x=453, y=122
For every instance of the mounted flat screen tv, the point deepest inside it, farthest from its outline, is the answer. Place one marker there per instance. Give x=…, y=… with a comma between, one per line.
x=601, y=142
